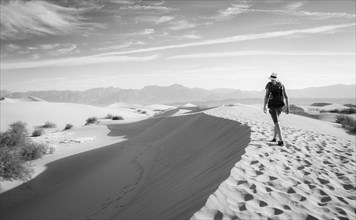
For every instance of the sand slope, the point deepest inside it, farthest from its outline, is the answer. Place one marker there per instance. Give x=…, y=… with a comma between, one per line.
x=312, y=176
x=36, y=113
x=167, y=168
x=191, y=167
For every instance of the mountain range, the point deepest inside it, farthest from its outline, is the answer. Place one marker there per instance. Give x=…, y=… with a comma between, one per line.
x=176, y=94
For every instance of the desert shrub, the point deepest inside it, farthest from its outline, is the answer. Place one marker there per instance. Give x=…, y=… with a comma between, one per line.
x=331, y=111
x=37, y=132
x=350, y=105
x=348, y=111
x=9, y=139
x=346, y=122
x=32, y=151
x=15, y=150
x=68, y=126
x=320, y=104
x=117, y=118
x=49, y=124
x=341, y=111
x=15, y=135
x=91, y=120
x=109, y=116
x=12, y=165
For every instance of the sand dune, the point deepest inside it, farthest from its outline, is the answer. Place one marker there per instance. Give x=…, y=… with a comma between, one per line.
x=28, y=99
x=37, y=113
x=211, y=165
x=317, y=109
x=164, y=170
x=313, y=176
x=159, y=107
x=124, y=105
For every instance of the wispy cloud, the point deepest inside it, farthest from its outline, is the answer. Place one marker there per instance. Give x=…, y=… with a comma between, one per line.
x=181, y=24
x=164, y=19
x=239, y=38
x=295, y=5
x=22, y=19
x=147, y=31
x=69, y=49
x=11, y=47
x=157, y=8
x=290, y=9
x=153, y=19
x=258, y=53
x=121, y=46
x=322, y=15
x=191, y=36
x=75, y=61
x=233, y=10
x=122, y=2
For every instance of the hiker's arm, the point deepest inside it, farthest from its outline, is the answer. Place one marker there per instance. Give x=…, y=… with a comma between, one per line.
x=286, y=97
x=265, y=101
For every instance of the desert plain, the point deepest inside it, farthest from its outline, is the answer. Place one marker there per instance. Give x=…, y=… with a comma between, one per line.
x=168, y=162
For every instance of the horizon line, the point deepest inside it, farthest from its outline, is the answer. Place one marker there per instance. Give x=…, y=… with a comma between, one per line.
x=174, y=84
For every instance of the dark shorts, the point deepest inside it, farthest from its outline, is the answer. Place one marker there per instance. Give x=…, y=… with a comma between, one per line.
x=275, y=112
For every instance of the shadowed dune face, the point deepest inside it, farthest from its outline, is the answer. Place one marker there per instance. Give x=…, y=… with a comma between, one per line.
x=193, y=154
x=165, y=170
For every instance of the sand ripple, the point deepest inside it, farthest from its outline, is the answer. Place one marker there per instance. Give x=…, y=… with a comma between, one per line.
x=312, y=176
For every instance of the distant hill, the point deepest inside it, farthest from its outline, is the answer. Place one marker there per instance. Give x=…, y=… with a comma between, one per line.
x=4, y=93
x=175, y=94
x=333, y=91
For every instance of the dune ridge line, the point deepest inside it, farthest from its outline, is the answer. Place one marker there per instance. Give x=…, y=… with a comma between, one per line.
x=311, y=177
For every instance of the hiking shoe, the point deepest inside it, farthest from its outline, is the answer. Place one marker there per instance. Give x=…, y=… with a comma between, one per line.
x=273, y=140
x=280, y=143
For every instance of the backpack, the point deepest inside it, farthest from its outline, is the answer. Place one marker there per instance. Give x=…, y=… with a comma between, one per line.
x=276, y=98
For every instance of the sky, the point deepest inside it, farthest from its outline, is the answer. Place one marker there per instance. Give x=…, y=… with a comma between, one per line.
x=83, y=44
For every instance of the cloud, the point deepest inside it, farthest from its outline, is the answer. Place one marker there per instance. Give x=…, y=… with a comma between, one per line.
x=75, y=61
x=294, y=5
x=121, y=46
x=233, y=10
x=12, y=47
x=23, y=19
x=122, y=2
x=56, y=49
x=240, y=38
x=191, y=36
x=291, y=9
x=69, y=49
x=164, y=19
x=154, y=19
x=147, y=31
x=258, y=53
x=323, y=15
x=180, y=25
x=157, y=8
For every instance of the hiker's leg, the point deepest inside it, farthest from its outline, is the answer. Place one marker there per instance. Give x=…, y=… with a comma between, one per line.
x=279, y=132
x=273, y=113
x=275, y=132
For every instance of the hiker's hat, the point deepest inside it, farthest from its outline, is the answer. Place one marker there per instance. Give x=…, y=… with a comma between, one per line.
x=273, y=76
